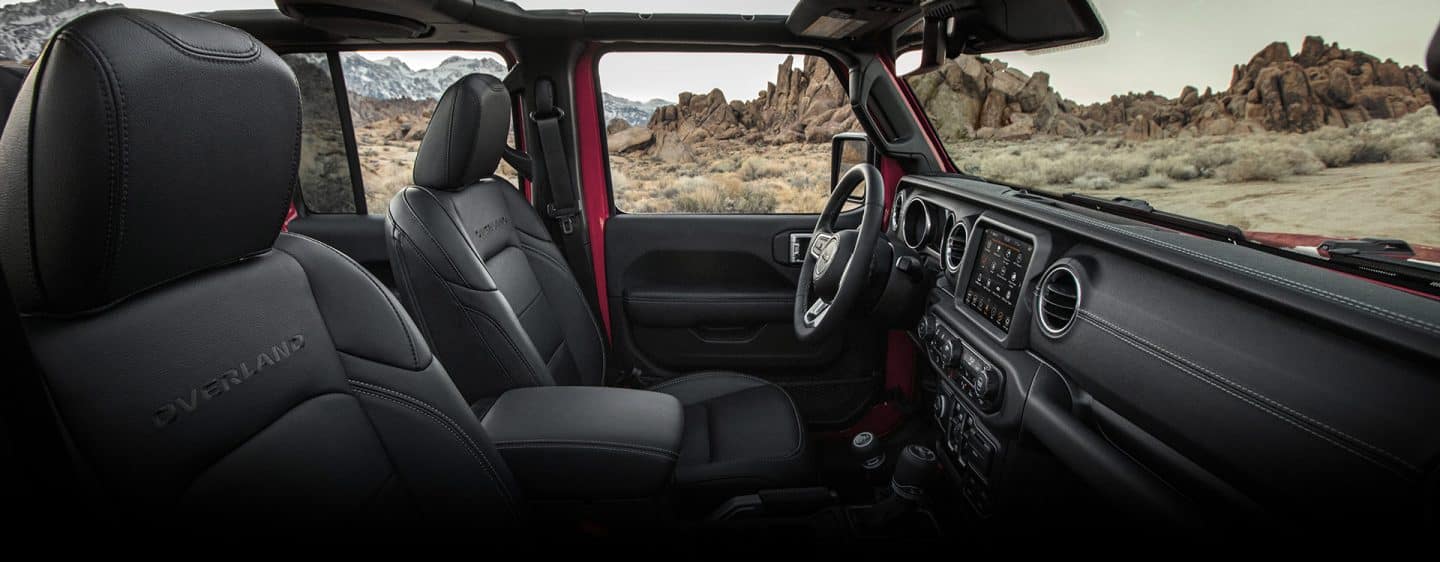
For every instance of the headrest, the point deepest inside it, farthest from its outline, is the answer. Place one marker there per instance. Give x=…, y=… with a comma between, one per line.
x=144, y=146
x=1432, y=64
x=466, y=134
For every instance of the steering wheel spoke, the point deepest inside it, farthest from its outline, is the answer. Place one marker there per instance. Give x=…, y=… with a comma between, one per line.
x=816, y=312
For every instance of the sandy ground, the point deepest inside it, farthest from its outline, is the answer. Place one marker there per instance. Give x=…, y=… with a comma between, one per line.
x=1378, y=200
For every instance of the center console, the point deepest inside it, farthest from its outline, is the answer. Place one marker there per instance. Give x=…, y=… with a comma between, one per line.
x=969, y=386
x=587, y=443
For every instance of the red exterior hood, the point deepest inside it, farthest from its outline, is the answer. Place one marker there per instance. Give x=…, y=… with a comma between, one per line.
x=1288, y=241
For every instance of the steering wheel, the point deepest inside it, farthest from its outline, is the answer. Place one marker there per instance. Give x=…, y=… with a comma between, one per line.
x=837, y=266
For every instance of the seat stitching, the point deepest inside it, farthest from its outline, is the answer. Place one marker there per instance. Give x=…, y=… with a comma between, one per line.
x=590, y=447
x=469, y=320
x=1265, y=276
x=534, y=373
x=114, y=108
x=532, y=302
x=438, y=416
x=559, y=442
x=799, y=425
x=1190, y=371
x=555, y=353
x=574, y=286
x=428, y=234
x=384, y=294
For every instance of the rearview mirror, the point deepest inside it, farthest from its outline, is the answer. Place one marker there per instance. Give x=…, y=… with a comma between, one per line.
x=847, y=150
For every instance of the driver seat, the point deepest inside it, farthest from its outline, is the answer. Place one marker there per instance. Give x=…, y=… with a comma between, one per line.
x=476, y=268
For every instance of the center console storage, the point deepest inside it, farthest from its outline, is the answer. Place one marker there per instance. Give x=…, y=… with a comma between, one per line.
x=587, y=443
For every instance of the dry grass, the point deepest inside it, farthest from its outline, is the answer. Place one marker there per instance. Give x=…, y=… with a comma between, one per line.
x=730, y=178
x=1231, y=159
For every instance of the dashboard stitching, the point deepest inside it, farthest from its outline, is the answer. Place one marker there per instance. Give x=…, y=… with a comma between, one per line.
x=1190, y=368
x=1340, y=299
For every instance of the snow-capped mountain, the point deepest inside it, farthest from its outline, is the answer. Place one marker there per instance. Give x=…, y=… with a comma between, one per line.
x=633, y=112
x=25, y=26
x=391, y=78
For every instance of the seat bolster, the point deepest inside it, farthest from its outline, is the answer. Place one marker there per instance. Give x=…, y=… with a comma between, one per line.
x=363, y=316
x=419, y=213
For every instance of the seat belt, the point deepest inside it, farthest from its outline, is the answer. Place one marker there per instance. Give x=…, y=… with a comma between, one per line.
x=563, y=210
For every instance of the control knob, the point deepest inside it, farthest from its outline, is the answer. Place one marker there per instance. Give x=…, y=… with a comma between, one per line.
x=949, y=356
x=986, y=383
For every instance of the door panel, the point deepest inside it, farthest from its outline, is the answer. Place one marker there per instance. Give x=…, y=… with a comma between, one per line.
x=707, y=292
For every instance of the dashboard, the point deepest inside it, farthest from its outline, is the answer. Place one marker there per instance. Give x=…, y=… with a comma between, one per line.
x=1172, y=374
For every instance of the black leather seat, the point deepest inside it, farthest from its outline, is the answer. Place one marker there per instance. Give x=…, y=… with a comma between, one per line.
x=495, y=298
x=206, y=369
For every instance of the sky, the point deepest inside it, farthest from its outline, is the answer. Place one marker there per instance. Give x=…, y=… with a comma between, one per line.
x=1152, y=45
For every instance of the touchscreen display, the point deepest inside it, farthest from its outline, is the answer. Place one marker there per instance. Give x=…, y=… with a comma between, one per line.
x=994, y=286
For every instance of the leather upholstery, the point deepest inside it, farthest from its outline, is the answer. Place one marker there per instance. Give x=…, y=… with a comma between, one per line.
x=494, y=296
x=217, y=371
x=471, y=111
x=741, y=433
x=569, y=442
x=122, y=153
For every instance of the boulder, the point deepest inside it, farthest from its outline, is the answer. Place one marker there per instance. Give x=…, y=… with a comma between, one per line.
x=630, y=139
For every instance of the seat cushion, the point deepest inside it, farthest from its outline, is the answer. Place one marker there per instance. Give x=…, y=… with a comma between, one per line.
x=742, y=434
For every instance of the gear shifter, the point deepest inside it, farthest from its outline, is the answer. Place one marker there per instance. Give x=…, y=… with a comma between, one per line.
x=866, y=448
x=915, y=471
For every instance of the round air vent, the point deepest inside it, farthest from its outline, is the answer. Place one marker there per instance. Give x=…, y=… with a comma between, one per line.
x=1059, y=300
x=916, y=225
x=955, y=246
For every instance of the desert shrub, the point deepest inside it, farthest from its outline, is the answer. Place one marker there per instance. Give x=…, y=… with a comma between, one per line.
x=1154, y=182
x=1064, y=169
x=1334, y=152
x=1211, y=157
x=1122, y=166
x=1253, y=167
x=1093, y=181
x=755, y=168
x=1413, y=151
x=701, y=195
x=1175, y=168
x=802, y=179
x=724, y=166
x=619, y=181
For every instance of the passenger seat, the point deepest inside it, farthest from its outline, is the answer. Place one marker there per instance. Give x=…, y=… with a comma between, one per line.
x=494, y=296
x=207, y=370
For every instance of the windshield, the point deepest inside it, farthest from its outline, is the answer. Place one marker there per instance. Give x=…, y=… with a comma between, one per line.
x=1294, y=120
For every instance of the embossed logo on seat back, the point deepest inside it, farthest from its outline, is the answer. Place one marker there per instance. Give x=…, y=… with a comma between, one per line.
x=172, y=410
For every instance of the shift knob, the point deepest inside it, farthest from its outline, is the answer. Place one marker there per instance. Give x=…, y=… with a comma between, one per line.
x=915, y=471
x=866, y=447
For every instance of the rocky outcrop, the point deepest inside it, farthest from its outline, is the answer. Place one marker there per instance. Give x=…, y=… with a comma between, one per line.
x=806, y=104
x=1322, y=85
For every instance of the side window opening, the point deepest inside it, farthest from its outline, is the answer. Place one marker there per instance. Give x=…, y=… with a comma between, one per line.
x=325, y=181
x=749, y=134
x=391, y=96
